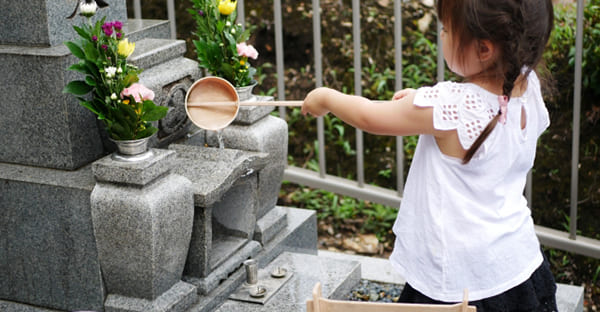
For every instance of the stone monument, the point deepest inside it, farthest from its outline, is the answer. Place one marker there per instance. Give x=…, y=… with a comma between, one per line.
x=80, y=230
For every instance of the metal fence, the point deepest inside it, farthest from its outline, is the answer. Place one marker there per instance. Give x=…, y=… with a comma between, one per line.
x=568, y=241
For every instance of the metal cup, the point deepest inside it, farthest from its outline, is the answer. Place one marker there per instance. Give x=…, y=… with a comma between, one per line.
x=251, y=267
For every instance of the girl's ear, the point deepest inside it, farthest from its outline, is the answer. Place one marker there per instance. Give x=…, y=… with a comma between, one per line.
x=486, y=50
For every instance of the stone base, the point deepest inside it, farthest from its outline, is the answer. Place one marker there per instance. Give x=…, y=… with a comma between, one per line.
x=48, y=254
x=300, y=235
x=207, y=284
x=337, y=277
x=177, y=299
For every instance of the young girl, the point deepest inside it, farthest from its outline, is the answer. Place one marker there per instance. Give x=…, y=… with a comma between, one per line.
x=464, y=222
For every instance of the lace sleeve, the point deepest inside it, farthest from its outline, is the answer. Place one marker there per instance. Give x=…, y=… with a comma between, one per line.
x=457, y=107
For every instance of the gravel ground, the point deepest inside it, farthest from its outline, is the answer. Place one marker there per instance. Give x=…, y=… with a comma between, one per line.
x=374, y=291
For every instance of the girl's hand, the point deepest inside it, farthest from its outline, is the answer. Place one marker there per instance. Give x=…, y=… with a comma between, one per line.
x=402, y=93
x=315, y=102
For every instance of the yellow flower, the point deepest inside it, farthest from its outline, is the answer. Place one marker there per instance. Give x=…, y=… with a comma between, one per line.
x=227, y=7
x=242, y=62
x=125, y=48
x=126, y=102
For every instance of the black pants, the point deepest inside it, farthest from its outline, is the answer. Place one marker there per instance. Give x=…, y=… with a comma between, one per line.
x=538, y=294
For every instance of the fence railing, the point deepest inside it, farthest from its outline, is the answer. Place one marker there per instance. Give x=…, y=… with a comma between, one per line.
x=568, y=241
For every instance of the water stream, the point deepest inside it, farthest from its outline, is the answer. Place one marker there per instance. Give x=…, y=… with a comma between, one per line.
x=220, y=139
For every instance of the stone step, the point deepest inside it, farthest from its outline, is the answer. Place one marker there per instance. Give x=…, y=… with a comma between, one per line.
x=138, y=29
x=152, y=51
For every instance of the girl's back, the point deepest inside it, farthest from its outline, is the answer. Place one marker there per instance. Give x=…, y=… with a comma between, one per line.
x=460, y=224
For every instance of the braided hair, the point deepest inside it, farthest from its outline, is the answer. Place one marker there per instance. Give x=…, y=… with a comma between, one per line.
x=520, y=28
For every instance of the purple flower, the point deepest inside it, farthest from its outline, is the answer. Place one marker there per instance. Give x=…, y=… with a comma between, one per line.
x=107, y=28
x=94, y=38
x=105, y=47
x=201, y=13
x=117, y=25
x=119, y=35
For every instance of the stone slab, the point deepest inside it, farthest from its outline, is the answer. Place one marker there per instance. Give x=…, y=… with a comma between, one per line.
x=10, y=306
x=235, y=212
x=267, y=284
x=569, y=298
x=213, y=171
x=270, y=225
x=47, y=128
x=49, y=254
x=248, y=114
x=300, y=222
x=152, y=51
x=207, y=284
x=177, y=299
x=138, y=29
x=44, y=23
x=135, y=173
x=336, y=277
x=267, y=135
x=42, y=126
x=373, y=269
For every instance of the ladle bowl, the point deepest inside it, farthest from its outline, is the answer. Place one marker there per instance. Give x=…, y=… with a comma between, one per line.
x=212, y=89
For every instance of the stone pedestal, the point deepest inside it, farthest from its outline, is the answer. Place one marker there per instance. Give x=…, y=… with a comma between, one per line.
x=255, y=130
x=142, y=216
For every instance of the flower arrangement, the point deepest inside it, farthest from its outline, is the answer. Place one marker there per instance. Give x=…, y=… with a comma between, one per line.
x=221, y=46
x=125, y=106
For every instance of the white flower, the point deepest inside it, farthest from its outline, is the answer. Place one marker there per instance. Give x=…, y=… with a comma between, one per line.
x=119, y=70
x=110, y=71
x=228, y=24
x=233, y=30
x=88, y=9
x=113, y=96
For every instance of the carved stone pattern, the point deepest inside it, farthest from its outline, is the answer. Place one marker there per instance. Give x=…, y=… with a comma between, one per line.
x=176, y=118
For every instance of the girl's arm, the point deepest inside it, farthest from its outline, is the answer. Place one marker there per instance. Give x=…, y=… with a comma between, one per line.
x=398, y=117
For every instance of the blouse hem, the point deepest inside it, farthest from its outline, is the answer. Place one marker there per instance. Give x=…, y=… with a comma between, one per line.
x=473, y=294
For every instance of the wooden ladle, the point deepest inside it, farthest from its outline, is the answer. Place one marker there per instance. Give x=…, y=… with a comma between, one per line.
x=212, y=103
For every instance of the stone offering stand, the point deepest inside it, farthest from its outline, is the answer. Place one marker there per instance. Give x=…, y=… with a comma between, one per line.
x=82, y=231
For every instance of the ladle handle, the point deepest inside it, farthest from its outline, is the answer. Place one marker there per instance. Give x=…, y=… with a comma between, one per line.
x=272, y=103
x=257, y=103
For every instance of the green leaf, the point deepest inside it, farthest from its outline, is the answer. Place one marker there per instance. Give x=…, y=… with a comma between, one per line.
x=90, y=81
x=129, y=112
x=75, y=49
x=79, y=67
x=77, y=87
x=83, y=33
x=90, y=51
x=92, y=69
x=146, y=132
x=152, y=112
x=119, y=132
x=130, y=78
x=90, y=106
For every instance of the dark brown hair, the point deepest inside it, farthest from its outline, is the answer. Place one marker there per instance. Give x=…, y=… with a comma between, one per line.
x=519, y=28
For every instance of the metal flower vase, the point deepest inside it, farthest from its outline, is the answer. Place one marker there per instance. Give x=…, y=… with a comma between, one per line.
x=132, y=150
x=245, y=92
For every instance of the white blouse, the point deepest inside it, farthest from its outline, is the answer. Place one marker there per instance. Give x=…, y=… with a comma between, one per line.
x=469, y=226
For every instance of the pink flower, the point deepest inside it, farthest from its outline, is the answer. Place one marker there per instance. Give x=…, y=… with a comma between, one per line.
x=247, y=50
x=139, y=92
